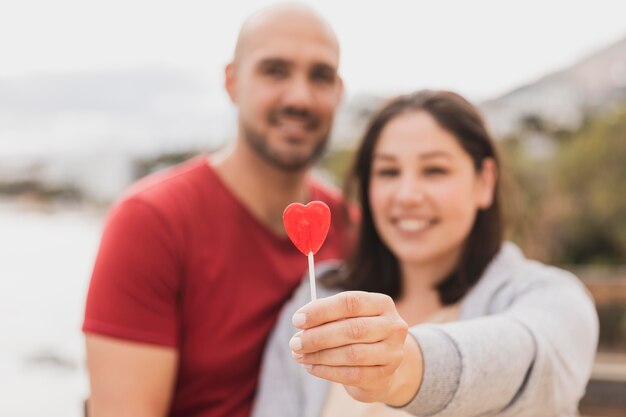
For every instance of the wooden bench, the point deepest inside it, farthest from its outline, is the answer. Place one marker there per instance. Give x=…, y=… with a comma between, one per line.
x=606, y=391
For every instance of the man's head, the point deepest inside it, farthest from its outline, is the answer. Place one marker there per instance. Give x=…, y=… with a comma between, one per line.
x=284, y=80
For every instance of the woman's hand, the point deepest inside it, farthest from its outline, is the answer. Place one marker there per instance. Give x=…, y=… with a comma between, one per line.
x=358, y=339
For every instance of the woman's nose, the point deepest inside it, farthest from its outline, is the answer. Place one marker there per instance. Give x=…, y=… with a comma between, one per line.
x=409, y=191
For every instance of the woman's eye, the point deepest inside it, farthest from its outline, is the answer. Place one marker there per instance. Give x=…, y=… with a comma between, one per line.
x=386, y=172
x=435, y=171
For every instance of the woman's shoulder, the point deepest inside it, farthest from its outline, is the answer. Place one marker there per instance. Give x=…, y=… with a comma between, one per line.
x=510, y=275
x=524, y=269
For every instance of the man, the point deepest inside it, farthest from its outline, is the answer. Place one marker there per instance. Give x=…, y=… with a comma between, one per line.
x=194, y=264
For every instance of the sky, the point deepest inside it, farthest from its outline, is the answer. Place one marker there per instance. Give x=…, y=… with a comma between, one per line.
x=480, y=48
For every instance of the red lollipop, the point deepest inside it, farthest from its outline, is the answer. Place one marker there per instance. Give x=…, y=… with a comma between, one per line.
x=307, y=227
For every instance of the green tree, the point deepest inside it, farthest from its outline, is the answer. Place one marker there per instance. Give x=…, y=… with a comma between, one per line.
x=590, y=177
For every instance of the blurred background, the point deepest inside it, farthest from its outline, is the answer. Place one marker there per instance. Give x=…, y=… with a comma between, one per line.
x=94, y=95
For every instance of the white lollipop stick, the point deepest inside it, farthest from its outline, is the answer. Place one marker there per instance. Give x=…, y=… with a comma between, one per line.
x=312, y=277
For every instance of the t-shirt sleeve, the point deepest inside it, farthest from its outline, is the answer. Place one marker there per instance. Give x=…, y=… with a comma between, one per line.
x=134, y=286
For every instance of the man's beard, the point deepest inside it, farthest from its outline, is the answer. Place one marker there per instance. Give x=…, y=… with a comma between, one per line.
x=259, y=143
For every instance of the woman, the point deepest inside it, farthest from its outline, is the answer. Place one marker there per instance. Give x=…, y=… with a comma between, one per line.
x=491, y=333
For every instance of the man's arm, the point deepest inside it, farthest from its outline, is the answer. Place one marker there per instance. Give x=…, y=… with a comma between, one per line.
x=131, y=324
x=129, y=379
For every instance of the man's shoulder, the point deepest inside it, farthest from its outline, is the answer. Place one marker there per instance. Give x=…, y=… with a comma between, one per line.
x=325, y=191
x=178, y=182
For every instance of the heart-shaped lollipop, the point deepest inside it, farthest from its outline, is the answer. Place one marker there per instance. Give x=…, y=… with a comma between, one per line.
x=307, y=227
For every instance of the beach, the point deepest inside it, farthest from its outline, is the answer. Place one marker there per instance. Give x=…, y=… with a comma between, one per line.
x=45, y=260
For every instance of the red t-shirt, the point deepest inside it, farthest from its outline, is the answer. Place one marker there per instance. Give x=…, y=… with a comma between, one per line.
x=183, y=263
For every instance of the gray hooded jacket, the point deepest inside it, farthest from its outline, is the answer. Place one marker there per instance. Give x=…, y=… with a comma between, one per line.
x=523, y=347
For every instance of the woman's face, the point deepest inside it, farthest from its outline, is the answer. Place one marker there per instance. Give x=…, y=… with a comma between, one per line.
x=425, y=192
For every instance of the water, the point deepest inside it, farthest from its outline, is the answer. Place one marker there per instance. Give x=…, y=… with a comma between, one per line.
x=45, y=262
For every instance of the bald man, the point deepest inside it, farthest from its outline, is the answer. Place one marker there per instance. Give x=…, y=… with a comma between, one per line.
x=194, y=264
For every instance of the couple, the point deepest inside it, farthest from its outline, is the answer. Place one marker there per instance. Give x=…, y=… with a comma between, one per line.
x=431, y=313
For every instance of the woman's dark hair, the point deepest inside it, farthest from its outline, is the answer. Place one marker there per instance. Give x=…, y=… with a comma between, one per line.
x=373, y=267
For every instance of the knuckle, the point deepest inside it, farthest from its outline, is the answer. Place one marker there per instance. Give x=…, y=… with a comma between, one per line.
x=311, y=342
x=312, y=358
x=386, y=300
x=313, y=314
x=357, y=329
x=354, y=353
x=353, y=303
x=401, y=327
x=316, y=370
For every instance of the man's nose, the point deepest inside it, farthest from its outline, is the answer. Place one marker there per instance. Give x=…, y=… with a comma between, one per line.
x=299, y=93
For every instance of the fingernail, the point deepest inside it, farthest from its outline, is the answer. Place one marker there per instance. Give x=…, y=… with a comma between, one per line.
x=295, y=343
x=298, y=319
x=308, y=366
x=297, y=355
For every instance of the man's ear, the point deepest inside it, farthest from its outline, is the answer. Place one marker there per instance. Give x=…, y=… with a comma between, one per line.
x=340, y=89
x=488, y=178
x=230, y=81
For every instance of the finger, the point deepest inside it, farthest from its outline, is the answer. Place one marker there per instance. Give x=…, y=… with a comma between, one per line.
x=341, y=333
x=341, y=306
x=357, y=376
x=359, y=354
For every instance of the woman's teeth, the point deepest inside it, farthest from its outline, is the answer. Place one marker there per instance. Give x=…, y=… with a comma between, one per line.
x=412, y=225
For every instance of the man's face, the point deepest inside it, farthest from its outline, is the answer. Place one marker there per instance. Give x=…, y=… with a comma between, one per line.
x=286, y=86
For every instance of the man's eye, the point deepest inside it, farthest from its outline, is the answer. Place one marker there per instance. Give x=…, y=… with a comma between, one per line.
x=323, y=76
x=275, y=71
